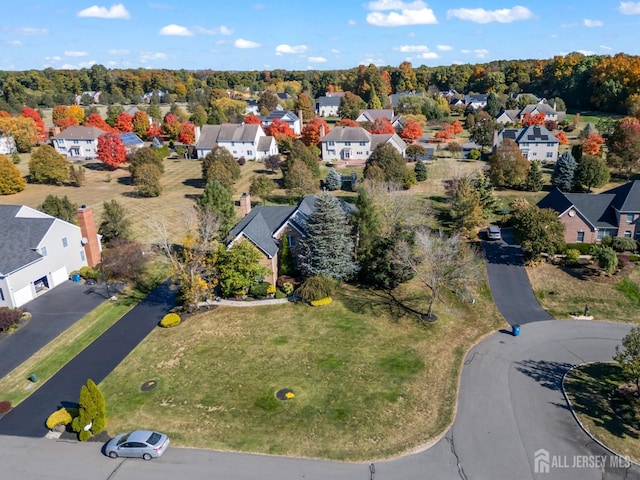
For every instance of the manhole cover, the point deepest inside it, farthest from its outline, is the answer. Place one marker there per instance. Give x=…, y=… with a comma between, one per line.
x=149, y=385
x=284, y=394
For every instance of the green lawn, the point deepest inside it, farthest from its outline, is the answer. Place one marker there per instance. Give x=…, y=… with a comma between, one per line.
x=369, y=380
x=588, y=388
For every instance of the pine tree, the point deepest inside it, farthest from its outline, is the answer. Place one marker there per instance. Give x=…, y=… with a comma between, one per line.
x=534, y=182
x=61, y=208
x=286, y=258
x=564, y=172
x=334, y=180
x=466, y=209
x=217, y=199
x=92, y=412
x=328, y=248
x=421, y=171
x=374, y=100
x=115, y=224
x=482, y=184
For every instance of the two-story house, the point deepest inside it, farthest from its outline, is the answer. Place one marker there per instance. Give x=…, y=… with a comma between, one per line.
x=242, y=140
x=285, y=116
x=78, y=141
x=329, y=104
x=371, y=115
x=38, y=251
x=476, y=100
x=535, y=142
x=589, y=217
x=355, y=143
x=515, y=116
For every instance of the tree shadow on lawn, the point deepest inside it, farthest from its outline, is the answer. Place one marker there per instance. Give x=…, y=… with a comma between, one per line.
x=371, y=301
x=194, y=182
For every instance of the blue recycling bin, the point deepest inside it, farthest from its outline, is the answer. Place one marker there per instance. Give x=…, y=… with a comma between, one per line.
x=75, y=277
x=516, y=330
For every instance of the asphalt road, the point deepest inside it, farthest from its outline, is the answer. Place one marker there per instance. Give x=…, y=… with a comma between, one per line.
x=52, y=313
x=510, y=406
x=95, y=362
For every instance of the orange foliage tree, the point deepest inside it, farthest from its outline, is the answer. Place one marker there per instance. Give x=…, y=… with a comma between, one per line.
x=141, y=124
x=313, y=131
x=347, y=122
x=29, y=112
x=124, y=123
x=97, y=121
x=59, y=112
x=171, y=126
x=537, y=119
x=66, y=122
x=457, y=127
x=562, y=138
x=76, y=112
x=592, y=144
x=382, y=125
x=279, y=129
x=412, y=131
x=445, y=133
x=153, y=131
x=187, y=133
x=252, y=120
x=111, y=150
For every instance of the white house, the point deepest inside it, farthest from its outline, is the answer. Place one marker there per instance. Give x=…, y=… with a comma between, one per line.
x=355, y=143
x=328, y=105
x=371, y=115
x=285, y=116
x=535, y=142
x=242, y=140
x=40, y=251
x=78, y=141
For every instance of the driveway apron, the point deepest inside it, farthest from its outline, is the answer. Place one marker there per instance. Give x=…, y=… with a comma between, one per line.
x=94, y=362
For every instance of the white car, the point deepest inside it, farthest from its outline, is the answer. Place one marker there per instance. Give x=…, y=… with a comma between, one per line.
x=138, y=444
x=494, y=232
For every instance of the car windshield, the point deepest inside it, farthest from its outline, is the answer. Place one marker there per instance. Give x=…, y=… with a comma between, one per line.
x=123, y=439
x=154, y=438
x=494, y=229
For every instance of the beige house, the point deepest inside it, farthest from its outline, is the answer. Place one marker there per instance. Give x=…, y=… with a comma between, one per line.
x=535, y=142
x=355, y=143
x=78, y=141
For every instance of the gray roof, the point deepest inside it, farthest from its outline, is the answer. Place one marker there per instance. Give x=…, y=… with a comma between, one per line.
x=532, y=133
x=540, y=107
x=329, y=101
x=19, y=237
x=80, y=132
x=211, y=135
x=380, y=138
x=373, y=114
x=280, y=114
x=627, y=197
x=347, y=134
x=264, y=143
x=593, y=207
x=260, y=224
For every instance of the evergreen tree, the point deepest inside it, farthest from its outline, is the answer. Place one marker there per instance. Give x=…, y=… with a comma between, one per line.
x=299, y=151
x=533, y=182
x=592, y=172
x=217, y=199
x=328, y=248
x=564, y=172
x=286, y=258
x=15, y=158
x=493, y=105
x=92, y=412
x=147, y=180
x=219, y=164
x=115, y=222
x=421, y=171
x=334, y=180
x=482, y=184
x=61, y=208
x=466, y=209
x=374, y=100
x=386, y=163
x=261, y=186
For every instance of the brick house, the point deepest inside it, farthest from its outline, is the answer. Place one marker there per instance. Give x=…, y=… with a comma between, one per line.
x=589, y=217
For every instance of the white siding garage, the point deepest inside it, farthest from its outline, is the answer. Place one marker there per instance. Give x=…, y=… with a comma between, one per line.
x=22, y=296
x=59, y=276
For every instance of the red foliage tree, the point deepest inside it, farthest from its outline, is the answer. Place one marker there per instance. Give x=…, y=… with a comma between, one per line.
x=4, y=114
x=187, y=133
x=97, y=121
x=537, y=119
x=124, y=123
x=31, y=113
x=445, y=133
x=312, y=131
x=457, y=127
x=153, y=131
x=347, y=122
x=562, y=138
x=279, y=129
x=171, y=126
x=111, y=150
x=252, y=119
x=550, y=125
x=66, y=122
x=412, y=131
x=382, y=125
x=592, y=144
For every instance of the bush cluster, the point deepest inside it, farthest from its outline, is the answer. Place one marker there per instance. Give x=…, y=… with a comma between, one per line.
x=9, y=318
x=170, y=320
x=89, y=273
x=623, y=244
x=260, y=289
x=583, y=248
x=92, y=411
x=322, y=302
x=5, y=406
x=59, y=417
x=572, y=256
x=287, y=288
x=317, y=287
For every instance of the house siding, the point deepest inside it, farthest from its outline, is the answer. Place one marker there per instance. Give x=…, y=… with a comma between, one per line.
x=574, y=225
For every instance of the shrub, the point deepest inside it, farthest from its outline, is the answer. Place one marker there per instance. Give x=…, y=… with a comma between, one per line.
x=9, y=318
x=271, y=289
x=317, y=287
x=89, y=273
x=572, y=256
x=287, y=288
x=474, y=154
x=242, y=161
x=606, y=258
x=622, y=244
x=583, y=248
x=634, y=258
x=260, y=289
x=607, y=241
x=5, y=406
x=322, y=302
x=25, y=316
x=92, y=411
x=59, y=417
x=170, y=320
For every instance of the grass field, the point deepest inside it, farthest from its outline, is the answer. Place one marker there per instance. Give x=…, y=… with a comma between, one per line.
x=589, y=388
x=369, y=380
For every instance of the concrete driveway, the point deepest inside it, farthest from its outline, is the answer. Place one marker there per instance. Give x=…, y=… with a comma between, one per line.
x=52, y=313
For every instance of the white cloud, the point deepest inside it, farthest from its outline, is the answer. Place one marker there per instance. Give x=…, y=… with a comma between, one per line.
x=592, y=23
x=465, y=50
x=221, y=30
x=116, y=11
x=148, y=56
x=369, y=61
x=14, y=43
x=175, y=30
x=55, y=58
x=428, y=55
x=113, y=51
x=242, y=43
x=284, y=49
x=316, y=59
x=414, y=13
x=70, y=66
x=412, y=48
x=75, y=53
x=444, y=48
x=586, y=52
x=33, y=31
x=480, y=15
x=335, y=51
x=352, y=22
x=481, y=52
x=604, y=47
x=629, y=8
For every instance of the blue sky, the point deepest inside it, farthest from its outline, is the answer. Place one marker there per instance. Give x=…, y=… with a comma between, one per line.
x=300, y=35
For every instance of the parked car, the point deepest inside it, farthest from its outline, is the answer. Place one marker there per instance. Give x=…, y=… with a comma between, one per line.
x=494, y=232
x=139, y=444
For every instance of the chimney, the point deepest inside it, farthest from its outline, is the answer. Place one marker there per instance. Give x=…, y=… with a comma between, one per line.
x=245, y=204
x=322, y=132
x=301, y=119
x=90, y=240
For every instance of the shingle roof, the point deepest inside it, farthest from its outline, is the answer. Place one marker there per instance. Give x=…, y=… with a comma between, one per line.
x=19, y=236
x=211, y=135
x=347, y=134
x=380, y=138
x=627, y=197
x=532, y=133
x=80, y=132
x=372, y=114
x=329, y=101
x=280, y=114
x=264, y=143
x=260, y=224
x=593, y=207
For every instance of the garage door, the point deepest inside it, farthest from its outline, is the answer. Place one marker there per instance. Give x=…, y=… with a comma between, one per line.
x=22, y=296
x=59, y=276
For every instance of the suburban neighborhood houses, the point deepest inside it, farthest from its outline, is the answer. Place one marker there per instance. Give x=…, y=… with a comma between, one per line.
x=394, y=269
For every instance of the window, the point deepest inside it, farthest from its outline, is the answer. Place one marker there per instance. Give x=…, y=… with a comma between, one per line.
x=348, y=144
x=363, y=144
x=249, y=152
x=65, y=242
x=1, y=295
x=549, y=154
x=331, y=143
x=580, y=237
x=550, y=144
x=627, y=234
x=629, y=217
x=603, y=233
x=291, y=240
x=82, y=256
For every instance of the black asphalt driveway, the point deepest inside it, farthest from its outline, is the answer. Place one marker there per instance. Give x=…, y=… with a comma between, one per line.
x=52, y=313
x=509, y=282
x=95, y=362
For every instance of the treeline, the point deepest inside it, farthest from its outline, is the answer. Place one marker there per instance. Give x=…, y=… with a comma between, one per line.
x=595, y=82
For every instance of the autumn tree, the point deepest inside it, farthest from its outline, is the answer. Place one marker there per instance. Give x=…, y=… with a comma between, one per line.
x=187, y=133
x=592, y=143
x=124, y=260
x=382, y=125
x=564, y=172
x=115, y=223
x=350, y=106
x=412, y=131
x=58, y=113
x=304, y=105
x=22, y=129
x=261, y=186
x=141, y=124
x=95, y=120
x=61, y=208
x=347, y=122
x=48, y=166
x=508, y=167
x=313, y=131
x=11, y=180
x=66, y=122
x=252, y=120
x=124, y=123
x=279, y=129
x=535, y=119
x=29, y=112
x=76, y=112
x=171, y=126
x=592, y=172
x=267, y=102
x=624, y=146
x=386, y=164
x=112, y=114
x=111, y=150
x=457, y=127
x=562, y=138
